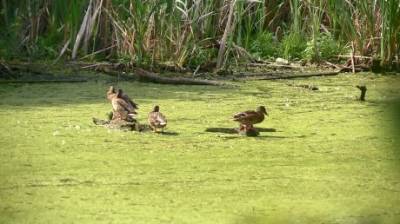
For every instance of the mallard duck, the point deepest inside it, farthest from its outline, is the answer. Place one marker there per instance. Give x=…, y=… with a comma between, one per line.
x=157, y=120
x=250, y=117
x=132, y=105
x=123, y=107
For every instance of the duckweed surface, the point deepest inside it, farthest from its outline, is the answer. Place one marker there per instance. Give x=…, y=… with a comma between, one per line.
x=323, y=156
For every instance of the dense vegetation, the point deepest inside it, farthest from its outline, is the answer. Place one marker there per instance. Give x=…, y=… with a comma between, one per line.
x=187, y=33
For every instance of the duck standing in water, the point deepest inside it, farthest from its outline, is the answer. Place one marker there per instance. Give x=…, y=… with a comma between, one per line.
x=157, y=120
x=248, y=118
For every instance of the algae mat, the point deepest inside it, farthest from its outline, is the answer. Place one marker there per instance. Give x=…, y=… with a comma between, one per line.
x=323, y=156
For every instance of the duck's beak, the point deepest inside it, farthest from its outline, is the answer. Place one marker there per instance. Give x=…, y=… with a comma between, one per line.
x=266, y=113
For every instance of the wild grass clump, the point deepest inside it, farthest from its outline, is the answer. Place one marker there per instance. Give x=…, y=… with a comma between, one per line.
x=200, y=56
x=326, y=46
x=175, y=31
x=265, y=46
x=293, y=45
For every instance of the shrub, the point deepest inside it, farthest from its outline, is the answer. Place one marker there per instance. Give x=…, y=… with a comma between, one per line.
x=265, y=46
x=293, y=45
x=201, y=56
x=327, y=48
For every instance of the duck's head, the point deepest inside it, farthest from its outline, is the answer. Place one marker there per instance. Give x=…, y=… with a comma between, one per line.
x=261, y=109
x=156, y=108
x=111, y=89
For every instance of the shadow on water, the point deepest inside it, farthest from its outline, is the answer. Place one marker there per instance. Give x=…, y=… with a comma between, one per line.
x=168, y=133
x=290, y=217
x=234, y=131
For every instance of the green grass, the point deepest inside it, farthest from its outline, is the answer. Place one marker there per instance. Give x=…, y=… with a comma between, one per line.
x=330, y=160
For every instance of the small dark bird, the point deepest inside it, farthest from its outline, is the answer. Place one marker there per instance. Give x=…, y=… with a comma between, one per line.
x=157, y=120
x=248, y=118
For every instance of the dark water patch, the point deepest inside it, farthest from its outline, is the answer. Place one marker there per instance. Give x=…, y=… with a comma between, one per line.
x=234, y=130
x=50, y=94
x=168, y=133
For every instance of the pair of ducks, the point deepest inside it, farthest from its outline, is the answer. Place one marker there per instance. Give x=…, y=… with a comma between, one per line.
x=125, y=109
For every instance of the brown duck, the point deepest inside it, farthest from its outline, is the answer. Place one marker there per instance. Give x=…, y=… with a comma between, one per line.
x=157, y=120
x=248, y=118
x=123, y=107
x=132, y=105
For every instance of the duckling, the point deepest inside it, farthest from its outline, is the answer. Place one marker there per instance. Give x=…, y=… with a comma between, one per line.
x=157, y=120
x=248, y=118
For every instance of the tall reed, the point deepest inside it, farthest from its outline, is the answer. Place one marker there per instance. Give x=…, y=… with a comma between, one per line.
x=189, y=32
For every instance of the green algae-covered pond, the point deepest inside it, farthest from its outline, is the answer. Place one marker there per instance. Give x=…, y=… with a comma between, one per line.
x=324, y=156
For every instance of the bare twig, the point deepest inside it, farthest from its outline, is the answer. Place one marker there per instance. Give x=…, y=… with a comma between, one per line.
x=62, y=51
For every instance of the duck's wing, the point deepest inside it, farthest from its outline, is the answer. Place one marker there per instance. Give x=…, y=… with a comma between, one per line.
x=128, y=100
x=245, y=116
x=162, y=120
x=119, y=105
x=152, y=118
x=157, y=119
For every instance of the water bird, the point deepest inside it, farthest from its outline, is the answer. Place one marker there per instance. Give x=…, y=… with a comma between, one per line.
x=248, y=118
x=157, y=120
x=128, y=100
x=123, y=107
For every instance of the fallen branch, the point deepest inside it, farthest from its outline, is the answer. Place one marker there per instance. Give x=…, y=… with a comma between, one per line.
x=274, y=66
x=273, y=76
x=119, y=124
x=355, y=56
x=44, y=81
x=152, y=77
x=28, y=68
x=139, y=74
x=39, y=74
x=339, y=67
